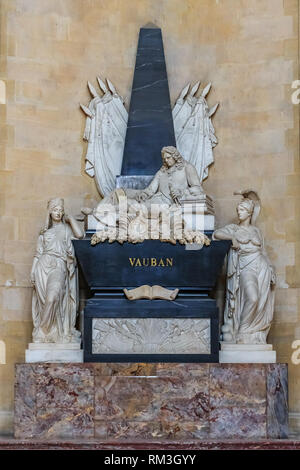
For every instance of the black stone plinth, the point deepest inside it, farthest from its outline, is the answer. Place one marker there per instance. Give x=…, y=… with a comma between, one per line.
x=101, y=306
x=109, y=268
x=150, y=123
x=113, y=266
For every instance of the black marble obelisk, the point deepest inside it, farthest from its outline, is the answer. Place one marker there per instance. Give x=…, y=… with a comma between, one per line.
x=150, y=123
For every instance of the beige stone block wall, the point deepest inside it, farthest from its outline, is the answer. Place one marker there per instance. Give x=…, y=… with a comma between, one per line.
x=49, y=49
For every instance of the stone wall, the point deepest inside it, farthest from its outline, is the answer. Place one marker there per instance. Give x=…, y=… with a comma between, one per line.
x=49, y=49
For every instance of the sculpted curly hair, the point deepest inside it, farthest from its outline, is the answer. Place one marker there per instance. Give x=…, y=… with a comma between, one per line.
x=179, y=160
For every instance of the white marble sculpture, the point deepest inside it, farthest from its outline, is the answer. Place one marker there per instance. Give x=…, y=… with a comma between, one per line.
x=250, y=278
x=106, y=124
x=159, y=207
x=151, y=293
x=54, y=278
x=194, y=132
x=105, y=131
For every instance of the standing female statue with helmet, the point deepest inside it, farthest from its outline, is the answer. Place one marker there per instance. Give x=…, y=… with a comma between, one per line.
x=250, y=277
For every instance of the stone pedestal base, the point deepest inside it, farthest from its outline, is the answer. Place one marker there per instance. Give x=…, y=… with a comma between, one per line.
x=54, y=352
x=199, y=214
x=200, y=220
x=121, y=330
x=137, y=402
x=247, y=353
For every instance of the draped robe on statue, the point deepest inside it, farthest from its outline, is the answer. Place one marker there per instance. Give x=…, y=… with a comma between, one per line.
x=181, y=177
x=248, y=268
x=54, y=302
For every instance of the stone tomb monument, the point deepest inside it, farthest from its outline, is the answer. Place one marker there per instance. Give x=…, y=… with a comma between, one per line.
x=148, y=251
x=145, y=206
x=148, y=257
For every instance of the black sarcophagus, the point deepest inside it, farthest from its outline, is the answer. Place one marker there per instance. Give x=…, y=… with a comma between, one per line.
x=120, y=330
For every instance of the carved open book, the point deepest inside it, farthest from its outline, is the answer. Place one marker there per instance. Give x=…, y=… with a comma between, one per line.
x=151, y=293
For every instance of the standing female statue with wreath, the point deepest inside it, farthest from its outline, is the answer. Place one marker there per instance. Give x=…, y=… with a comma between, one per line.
x=250, y=277
x=54, y=278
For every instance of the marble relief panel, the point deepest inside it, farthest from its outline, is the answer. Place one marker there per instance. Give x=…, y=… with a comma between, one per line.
x=151, y=336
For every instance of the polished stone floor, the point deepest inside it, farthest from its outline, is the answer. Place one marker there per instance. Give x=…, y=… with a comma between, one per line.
x=9, y=443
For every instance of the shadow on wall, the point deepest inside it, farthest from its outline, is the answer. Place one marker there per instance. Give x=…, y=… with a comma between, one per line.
x=2, y=353
x=2, y=92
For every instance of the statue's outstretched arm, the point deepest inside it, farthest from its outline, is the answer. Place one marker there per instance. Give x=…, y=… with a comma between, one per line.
x=75, y=226
x=153, y=186
x=225, y=233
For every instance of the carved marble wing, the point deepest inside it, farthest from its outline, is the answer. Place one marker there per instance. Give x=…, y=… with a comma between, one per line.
x=105, y=130
x=194, y=131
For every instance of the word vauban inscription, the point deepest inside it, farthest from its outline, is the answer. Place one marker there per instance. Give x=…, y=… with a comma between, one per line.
x=151, y=262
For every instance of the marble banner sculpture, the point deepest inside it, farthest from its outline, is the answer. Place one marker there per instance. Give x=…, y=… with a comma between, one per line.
x=194, y=131
x=105, y=131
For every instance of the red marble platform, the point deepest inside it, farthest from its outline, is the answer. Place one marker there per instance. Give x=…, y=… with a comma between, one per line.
x=151, y=403
x=227, y=444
